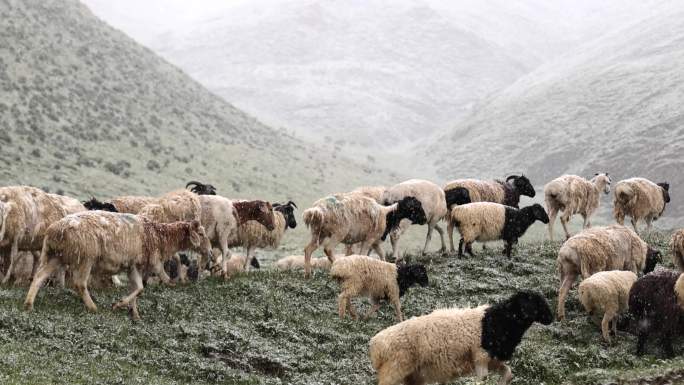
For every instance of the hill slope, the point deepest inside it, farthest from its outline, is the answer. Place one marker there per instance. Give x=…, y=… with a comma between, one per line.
x=614, y=105
x=364, y=73
x=85, y=109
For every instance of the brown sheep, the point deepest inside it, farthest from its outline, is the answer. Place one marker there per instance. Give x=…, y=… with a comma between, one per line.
x=641, y=199
x=109, y=243
x=572, y=195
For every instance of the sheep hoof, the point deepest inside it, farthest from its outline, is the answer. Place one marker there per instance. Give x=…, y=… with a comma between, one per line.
x=28, y=307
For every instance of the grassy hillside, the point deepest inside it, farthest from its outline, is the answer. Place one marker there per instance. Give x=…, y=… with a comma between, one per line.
x=86, y=110
x=268, y=327
x=613, y=105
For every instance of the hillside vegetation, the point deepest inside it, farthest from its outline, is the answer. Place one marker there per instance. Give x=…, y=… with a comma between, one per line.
x=87, y=111
x=610, y=106
x=269, y=327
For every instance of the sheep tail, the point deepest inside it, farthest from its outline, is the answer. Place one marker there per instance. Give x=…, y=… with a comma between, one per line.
x=313, y=217
x=623, y=193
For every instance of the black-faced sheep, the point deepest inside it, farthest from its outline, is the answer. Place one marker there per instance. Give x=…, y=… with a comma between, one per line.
x=110, y=243
x=677, y=249
x=641, y=199
x=432, y=199
x=253, y=235
x=360, y=275
x=94, y=204
x=451, y=343
x=123, y=204
x=496, y=191
x=351, y=219
x=487, y=221
x=201, y=188
x=572, y=195
x=653, y=305
x=601, y=249
x=607, y=293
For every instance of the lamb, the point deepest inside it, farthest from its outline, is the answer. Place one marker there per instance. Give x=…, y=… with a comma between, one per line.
x=352, y=218
x=487, y=221
x=201, y=188
x=641, y=199
x=222, y=218
x=451, y=343
x=677, y=248
x=607, y=292
x=253, y=235
x=109, y=243
x=26, y=213
x=360, y=275
x=433, y=201
x=653, y=304
x=236, y=264
x=296, y=262
x=597, y=249
x=572, y=195
x=496, y=191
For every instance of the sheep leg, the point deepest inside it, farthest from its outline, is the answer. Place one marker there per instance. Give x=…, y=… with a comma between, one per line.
x=348, y=250
x=605, y=325
x=352, y=309
x=666, y=342
x=564, y=219
x=648, y=224
x=397, y=308
x=508, y=248
x=36, y=262
x=134, y=284
x=563, y=293
x=375, y=305
x=641, y=341
x=440, y=230
x=553, y=212
x=44, y=272
x=503, y=370
x=393, y=372
x=469, y=249
x=308, y=250
x=379, y=251
x=587, y=222
x=414, y=379
x=13, y=256
x=450, y=231
x=80, y=277
x=394, y=238
x=158, y=269
x=460, y=248
x=634, y=224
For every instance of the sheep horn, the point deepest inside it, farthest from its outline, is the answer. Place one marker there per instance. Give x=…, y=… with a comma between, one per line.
x=511, y=177
x=293, y=204
x=192, y=182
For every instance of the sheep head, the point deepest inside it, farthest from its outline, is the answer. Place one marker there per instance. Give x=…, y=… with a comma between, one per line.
x=254, y=262
x=537, y=212
x=409, y=275
x=522, y=185
x=410, y=208
x=94, y=204
x=666, y=191
x=457, y=196
x=287, y=210
x=201, y=188
x=653, y=257
x=600, y=179
x=530, y=306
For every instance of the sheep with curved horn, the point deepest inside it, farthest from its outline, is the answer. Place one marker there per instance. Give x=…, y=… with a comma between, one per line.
x=200, y=188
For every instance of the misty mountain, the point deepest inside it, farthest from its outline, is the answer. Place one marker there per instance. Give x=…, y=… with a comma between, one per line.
x=370, y=73
x=613, y=105
x=86, y=110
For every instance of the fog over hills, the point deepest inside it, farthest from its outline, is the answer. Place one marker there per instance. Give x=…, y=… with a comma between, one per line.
x=612, y=105
x=367, y=73
x=87, y=110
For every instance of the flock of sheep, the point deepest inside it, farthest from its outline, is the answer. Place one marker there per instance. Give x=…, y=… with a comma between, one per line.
x=91, y=242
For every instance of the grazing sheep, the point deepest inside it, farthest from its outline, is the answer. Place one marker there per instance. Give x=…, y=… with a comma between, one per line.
x=653, y=304
x=601, y=249
x=433, y=201
x=677, y=248
x=26, y=213
x=352, y=218
x=572, y=195
x=496, y=191
x=607, y=292
x=253, y=235
x=360, y=275
x=222, y=218
x=296, y=262
x=487, y=221
x=110, y=243
x=201, y=188
x=451, y=343
x=641, y=199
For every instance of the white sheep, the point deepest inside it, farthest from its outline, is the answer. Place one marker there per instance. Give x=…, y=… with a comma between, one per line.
x=607, y=292
x=641, y=199
x=360, y=275
x=597, y=249
x=487, y=221
x=451, y=343
x=351, y=219
x=572, y=195
x=431, y=197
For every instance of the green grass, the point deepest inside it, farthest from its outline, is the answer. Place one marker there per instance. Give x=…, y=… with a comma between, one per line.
x=268, y=327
